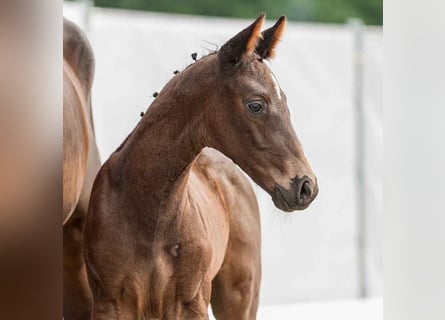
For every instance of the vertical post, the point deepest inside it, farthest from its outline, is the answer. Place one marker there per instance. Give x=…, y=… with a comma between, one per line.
x=357, y=29
x=86, y=8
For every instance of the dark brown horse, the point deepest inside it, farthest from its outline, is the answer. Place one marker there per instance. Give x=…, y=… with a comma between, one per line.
x=173, y=225
x=80, y=166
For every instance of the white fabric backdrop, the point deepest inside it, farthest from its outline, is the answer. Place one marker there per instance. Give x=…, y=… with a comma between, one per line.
x=309, y=255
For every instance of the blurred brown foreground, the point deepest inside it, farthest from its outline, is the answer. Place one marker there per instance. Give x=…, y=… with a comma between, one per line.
x=30, y=160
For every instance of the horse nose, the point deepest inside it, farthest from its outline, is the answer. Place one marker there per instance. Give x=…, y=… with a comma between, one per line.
x=298, y=196
x=305, y=190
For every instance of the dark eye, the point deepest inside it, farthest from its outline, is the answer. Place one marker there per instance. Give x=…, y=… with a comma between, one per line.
x=255, y=106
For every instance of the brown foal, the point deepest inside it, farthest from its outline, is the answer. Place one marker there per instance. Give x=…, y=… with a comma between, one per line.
x=174, y=225
x=80, y=165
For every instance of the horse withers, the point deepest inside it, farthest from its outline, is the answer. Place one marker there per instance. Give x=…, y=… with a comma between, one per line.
x=80, y=165
x=173, y=224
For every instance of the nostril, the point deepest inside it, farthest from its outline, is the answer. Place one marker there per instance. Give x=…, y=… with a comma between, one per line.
x=305, y=192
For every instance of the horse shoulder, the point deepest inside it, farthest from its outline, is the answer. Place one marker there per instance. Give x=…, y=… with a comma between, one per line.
x=232, y=183
x=240, y=201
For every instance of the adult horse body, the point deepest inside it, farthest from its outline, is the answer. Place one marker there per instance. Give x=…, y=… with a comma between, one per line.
x=80, y=165
x=173, y=225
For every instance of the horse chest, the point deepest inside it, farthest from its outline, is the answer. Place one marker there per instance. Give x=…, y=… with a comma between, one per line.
x=188, y=251
x=178, y=272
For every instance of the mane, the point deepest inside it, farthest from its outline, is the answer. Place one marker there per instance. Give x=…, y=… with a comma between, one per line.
x=191, y=65
x=202, y=57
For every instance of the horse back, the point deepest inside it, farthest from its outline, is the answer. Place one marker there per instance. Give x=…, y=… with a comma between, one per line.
x=81, y=157
x=78, y=53
x=75, y=141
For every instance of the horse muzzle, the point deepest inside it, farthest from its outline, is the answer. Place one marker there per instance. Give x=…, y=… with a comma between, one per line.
x=301, y=193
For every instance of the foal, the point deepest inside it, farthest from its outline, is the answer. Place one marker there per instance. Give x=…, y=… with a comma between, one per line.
x=174, y=226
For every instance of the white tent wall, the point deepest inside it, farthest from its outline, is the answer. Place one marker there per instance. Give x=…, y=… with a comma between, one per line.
x=310, y=255
x=373, y=158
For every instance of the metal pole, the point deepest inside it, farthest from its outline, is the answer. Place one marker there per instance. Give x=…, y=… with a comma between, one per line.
x=357, y=29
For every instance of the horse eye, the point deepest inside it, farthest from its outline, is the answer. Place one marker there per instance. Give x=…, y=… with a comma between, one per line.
x=255, y=106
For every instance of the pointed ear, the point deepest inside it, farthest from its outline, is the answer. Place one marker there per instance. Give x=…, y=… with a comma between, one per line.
x=270, y=38
x=243, y=44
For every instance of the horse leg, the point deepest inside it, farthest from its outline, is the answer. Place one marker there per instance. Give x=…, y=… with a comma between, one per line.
x=106, y=309
x=196, y=309
x=119, y=298
x=77, y=298
x=235, y=289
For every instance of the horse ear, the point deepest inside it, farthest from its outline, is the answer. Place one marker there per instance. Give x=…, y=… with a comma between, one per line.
x=270, y=38
x=243, y=44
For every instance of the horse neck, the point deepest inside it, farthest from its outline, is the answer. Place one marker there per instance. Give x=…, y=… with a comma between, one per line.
x=163, y=146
